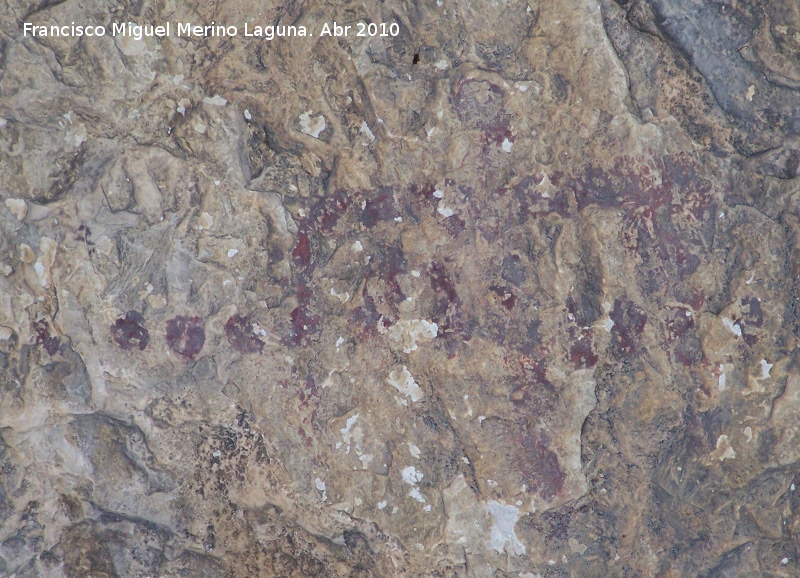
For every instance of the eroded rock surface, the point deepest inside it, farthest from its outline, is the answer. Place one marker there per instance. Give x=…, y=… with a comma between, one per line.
x=509, y=294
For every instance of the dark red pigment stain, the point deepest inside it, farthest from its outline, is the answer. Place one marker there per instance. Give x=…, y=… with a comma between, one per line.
x=531, y=343
x=497, y=134
x=752, y=318
x=540, y=469
x=301, y=254
x=83, y=234
x=532, y=393
x=445, y=290
x=668, y=212
x=629, y=321
x=530, y=194
x=442, y=283
x=424, y=193
x=681, y=335
x=366, y=316
x=308, y=394
x=581, y=352
x=392, y=263
x=505, y=296
x=606, y=189
x=129, y=331
x=185, y=336
x=325, y=214
x=304, y=324
x=239, y=331
x=43, y=337
x=454, y=225
x=423, y=200
x=378, y=206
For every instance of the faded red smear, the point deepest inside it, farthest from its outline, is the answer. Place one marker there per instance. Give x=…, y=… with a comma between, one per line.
x=239, y=331
x=379, y=207
x=302, y=250
x=505, y=295
x=581, y=352
x=540, y=468
x=629, y=321
x=185, y=336
x=43, y=337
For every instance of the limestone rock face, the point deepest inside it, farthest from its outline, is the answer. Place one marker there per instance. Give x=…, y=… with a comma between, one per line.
x=511, y=292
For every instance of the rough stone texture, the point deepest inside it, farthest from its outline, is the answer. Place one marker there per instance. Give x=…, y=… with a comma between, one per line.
x=510, y=294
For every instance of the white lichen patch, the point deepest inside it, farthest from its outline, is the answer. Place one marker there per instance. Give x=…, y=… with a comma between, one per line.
x=342, y=296
x=18, y=208
x=724, y=451
x=507, y=145
x=39, y=269
x=732, y=327
x=444, y=210
x=724, y=370
x=312, y=126
x=411, y=475
x=320, y=485
x=353, y=441
x=407, y=332
x=350, y=433
x=364, y=130
x=47, y=256
x=215, y=100
x=503, y=538
x=417, y=495
x=402, y=381
x=765, y=369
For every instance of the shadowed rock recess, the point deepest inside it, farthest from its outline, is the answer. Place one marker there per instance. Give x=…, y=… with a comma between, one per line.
x=511, y=293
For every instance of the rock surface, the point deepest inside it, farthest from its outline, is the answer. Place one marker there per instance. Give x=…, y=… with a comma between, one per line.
x=511, y=293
